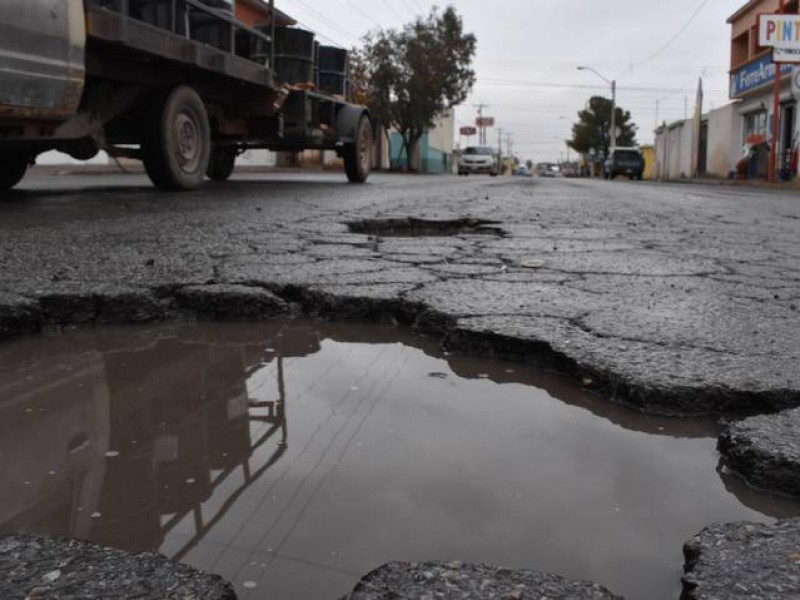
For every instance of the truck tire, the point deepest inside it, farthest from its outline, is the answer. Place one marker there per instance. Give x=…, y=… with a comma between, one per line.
x=223, y=160
x=12, y=170
x=176, y=146
x=358, y=154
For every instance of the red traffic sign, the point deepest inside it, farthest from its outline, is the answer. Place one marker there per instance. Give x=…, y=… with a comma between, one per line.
x=468, y=131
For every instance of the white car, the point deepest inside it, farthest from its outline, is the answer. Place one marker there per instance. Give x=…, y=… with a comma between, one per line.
x=478, y=159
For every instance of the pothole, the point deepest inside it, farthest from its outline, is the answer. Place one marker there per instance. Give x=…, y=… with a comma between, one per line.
x=298, y=455
x=415, y=227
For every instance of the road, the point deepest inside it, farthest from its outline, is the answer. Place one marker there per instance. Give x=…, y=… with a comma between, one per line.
x=675, y=298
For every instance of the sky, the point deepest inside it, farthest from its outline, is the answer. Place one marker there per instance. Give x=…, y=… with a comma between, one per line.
x=529, y=51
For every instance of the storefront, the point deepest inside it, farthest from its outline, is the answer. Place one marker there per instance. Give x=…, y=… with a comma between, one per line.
x=753, y=85
x=753, y=75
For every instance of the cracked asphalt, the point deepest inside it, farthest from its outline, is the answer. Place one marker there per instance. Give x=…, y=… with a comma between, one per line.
x=676, y=299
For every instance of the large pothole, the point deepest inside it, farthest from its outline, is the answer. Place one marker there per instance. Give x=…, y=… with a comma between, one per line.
x=416, y=227
x=291, y=457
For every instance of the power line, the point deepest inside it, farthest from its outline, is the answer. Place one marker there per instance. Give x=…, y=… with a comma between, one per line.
x=410, y=8
x=364, y=14
x=680, y=31
x=324, y=18
x=393, y=11
x=582, y=86
x=610, y=65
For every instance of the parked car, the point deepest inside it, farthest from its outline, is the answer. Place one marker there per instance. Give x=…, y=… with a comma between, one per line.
x=569, y=170
x=547, y=170
x=624, y=161
x=478, y=159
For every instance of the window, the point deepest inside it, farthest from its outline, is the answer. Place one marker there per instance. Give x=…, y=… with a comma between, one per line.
x=739, y=50
x=755, y=125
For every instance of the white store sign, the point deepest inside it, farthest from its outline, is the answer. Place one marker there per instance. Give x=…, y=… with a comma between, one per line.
x=779, y=31
x=785, y=55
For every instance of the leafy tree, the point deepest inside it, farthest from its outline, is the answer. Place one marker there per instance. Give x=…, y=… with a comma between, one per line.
x=415, y=74
x=592, y=131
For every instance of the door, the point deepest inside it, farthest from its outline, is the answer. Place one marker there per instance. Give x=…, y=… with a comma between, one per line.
x=702, y=152
x=41, y=58
x=787, y=132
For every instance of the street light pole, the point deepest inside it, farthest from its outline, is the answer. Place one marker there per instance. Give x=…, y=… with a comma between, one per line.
x=613, y=84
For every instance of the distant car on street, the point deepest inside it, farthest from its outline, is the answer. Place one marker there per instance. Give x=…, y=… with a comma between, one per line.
x=624, y=161
x=569, y=170
x=478, y=159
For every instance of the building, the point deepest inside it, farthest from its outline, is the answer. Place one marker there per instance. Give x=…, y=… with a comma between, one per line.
x=719, y=146
x=752, y=79
x=745, y=125
x=435, y=147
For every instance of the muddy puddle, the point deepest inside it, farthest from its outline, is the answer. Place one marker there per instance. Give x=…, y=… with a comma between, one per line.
x=294, y=457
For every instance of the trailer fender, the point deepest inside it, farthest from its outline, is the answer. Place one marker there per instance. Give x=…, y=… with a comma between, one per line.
x=347, y=121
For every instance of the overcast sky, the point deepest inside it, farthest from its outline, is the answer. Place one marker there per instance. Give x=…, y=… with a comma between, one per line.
x=528, y=51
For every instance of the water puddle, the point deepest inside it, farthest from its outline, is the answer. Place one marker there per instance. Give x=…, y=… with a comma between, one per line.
x=294, y=457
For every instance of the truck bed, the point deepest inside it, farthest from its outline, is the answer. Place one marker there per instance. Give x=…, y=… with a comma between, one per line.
x=110, y=22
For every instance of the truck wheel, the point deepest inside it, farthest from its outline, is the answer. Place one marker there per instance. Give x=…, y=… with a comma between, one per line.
x=223, y=160
x=12, y=170
x=358, y=155
x=176, y=147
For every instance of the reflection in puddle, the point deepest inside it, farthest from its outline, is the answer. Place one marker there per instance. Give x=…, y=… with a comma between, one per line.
x=292, y=458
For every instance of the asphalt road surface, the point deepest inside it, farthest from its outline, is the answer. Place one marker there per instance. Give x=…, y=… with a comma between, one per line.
x=675, y=298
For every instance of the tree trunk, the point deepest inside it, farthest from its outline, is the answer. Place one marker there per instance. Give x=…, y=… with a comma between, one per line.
x=405, y=147
x=414, y=154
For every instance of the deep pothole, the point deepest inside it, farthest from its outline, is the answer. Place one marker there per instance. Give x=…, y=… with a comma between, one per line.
x=416, y=227
x=298, y=455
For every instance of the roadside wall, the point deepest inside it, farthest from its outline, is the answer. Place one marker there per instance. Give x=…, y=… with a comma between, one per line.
x=673, y=146
x=435, y=147
x=722, y=154
x=649, y=155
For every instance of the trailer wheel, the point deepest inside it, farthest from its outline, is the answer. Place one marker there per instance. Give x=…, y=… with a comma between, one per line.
x=223, y=160
x=176, y=147
x=12, y=170
x=358, y=154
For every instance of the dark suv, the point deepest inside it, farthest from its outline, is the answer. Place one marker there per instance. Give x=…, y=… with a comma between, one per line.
x=624, y=161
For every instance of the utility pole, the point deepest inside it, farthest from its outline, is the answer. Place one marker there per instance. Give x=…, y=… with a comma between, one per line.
x=776, y=113
x=613, y=83
x=613, y=114
x=481, y=126
x=500, y=148
x=658, y=104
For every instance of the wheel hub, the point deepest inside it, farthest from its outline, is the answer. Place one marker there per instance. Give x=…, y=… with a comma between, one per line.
x=187, y=140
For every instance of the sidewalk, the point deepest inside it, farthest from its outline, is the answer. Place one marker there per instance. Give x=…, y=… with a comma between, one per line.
x=793, y=184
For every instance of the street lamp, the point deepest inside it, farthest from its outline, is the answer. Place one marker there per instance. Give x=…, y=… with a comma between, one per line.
x=613, y=85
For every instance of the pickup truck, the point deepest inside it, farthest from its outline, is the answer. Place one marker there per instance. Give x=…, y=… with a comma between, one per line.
x=181, y=85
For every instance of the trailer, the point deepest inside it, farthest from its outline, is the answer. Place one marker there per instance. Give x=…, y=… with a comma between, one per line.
x=181, y=85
